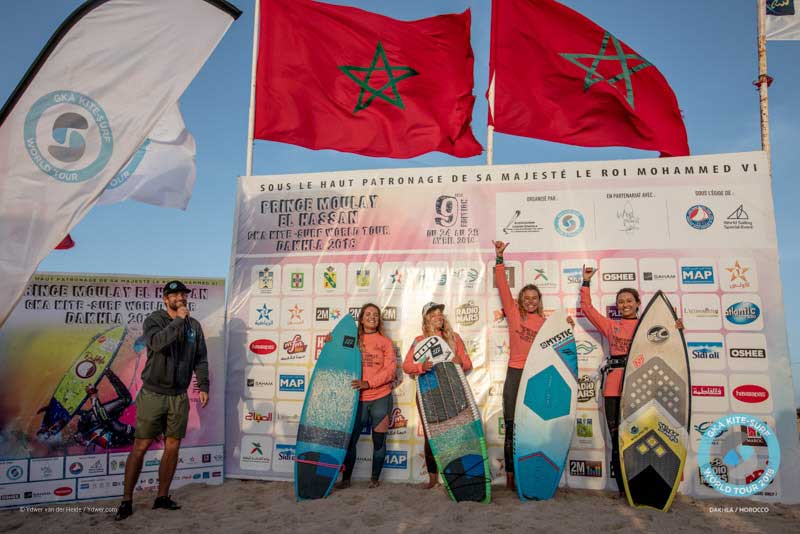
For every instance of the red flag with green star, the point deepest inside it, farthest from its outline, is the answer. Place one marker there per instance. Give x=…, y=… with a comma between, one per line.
x=560, y=77
x=346, y=79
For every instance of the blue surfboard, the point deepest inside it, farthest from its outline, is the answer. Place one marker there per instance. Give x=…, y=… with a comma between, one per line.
x=329, y=413
x=545, y=413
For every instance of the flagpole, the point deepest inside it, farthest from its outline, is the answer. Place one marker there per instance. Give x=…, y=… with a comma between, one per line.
x=490, y=128
x=763, y=81
x=251, y=117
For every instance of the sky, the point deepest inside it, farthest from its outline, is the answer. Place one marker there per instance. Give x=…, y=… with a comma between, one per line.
x=706, y=50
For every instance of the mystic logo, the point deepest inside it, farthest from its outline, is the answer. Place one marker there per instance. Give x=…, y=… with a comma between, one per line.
x=389, y=313
x=699, y=217
x=738, y=279
x=258, y=417
x=585, y=468
x=750, y=393
x=619, y=277
x=657, y=334
x=295, y=345
x=697, y=274
x=79, y=127
x=569, y=223
x=705, y=350
x=292, y=383
x=747, y=353
x=708, y=391
x=468, y=314
x=447, y=211
x=396, y=460
x=263, y=346
x=285, y=451
x=742, y=313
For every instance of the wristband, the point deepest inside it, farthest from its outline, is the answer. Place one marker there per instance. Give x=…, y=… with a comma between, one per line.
x=585, y=283
x=498, y=260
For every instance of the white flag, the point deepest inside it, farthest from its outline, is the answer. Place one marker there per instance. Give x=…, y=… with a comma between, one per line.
x=162, y=171
x=783, y=20
x=89, y=101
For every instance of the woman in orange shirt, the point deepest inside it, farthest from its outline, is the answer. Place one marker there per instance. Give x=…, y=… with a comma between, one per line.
x=378, y=366
x=525, y=318
x=434, y=323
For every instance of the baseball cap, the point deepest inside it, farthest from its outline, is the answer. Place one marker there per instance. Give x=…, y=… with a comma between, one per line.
x=176, y=286
x=431, y=306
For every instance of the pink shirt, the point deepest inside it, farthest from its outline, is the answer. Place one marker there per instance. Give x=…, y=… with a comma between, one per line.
x=378, y=366
x=413, y=369
x=521, y=333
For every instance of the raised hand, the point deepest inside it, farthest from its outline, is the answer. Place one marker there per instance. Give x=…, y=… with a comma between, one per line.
x=499, y=248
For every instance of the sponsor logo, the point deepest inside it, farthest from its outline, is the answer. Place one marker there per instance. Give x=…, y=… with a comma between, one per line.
x=76, y=468
x=467, y=314
x=705, y=425
x=292, y=383
x=79, y=128
x=619, y=277
x=657, y=334
x=705, y=350
x=296, y=314
x=751, y=437
x=349, y=342
x=628, y=220
x=750, y=393
x=152, y=463
x=747, y=353
x=206, y=459
x=258, y=417
x=671, y=433
x=738, y=279
x=586, y=389
x=253, y=383
x=612, y=312
x=285, y=451
x=708, y=391
x=9, y=496
x=329, y=278
x=650, y=276
x=585, y=468
x=719, y=469
x=298, y=280
x=584, y=428
x=509, y=273
x=322, y=314
x=585, y=347
x=569, y=223
x=742, y=313
x=354, y=311
x=738, y=220
x=468, y=277
x=85, y=369
x=389, y=313
x=705, y=312
x=699, y=217
x=363, y=278
x=264, y=316
x=319, y=344
x=256, y=448
x=14, y=472
x=516, y=225
x=396, y=460
x=63, y=491
x=397, y=420
x=295, y=345
x=263, y=346
x=697, y=274
x=396, y=278
x=266, y=279
x=574, y=275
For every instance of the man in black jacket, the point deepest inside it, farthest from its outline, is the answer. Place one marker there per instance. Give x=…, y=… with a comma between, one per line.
x=175, y=348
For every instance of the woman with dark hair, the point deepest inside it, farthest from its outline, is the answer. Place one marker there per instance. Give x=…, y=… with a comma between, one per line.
x=525, y=317
x=434, y=323
x=619, y=333
x=378, y=366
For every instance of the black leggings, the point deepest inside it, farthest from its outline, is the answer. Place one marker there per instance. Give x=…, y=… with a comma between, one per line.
x=430, y=461
x=510, y=390
x=612, y=406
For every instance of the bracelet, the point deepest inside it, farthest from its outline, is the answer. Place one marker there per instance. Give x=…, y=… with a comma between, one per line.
x=498, y=260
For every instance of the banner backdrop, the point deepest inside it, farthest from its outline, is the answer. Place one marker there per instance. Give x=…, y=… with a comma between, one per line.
x=76, y=338
x=310, y=248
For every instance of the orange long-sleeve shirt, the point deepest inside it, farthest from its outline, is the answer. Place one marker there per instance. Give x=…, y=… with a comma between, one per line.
x=378, y=366
x=413, y=369
x=619, y=334
x=521, y=333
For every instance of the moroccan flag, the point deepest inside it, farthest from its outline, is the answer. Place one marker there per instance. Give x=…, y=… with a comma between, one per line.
x=559, y=76
x=350, y=80
x=783, y=20
x=66, y=243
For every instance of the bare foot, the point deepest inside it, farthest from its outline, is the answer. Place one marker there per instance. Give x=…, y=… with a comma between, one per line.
x=374, y=483
x=344, y=484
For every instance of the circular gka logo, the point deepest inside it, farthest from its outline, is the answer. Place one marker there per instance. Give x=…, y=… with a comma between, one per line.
x=569, y=223
x=68, y=136
x=699, y=217
x=657, y=334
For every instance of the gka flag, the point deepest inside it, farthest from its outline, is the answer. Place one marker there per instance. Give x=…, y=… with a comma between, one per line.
x=783, y=20
x=87, y=103
x=162, y=171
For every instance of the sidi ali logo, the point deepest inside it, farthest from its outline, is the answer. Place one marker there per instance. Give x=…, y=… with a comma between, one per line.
x=68, y=136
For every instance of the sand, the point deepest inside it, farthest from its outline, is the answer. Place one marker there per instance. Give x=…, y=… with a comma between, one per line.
x=269, y=507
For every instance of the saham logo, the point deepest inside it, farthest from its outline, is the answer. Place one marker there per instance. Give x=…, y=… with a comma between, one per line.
x=750, y=393
x=263, y=346
x=708, y=391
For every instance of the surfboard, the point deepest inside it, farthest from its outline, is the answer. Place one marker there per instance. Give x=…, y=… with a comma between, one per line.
x=329, y=412
x=655, y=410
x=544, y=418
x=453, y=423
x=86, y=370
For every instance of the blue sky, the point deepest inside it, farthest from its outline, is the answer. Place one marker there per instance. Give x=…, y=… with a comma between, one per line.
x=706, y=50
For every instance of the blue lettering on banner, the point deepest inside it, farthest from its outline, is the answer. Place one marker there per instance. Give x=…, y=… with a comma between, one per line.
x=285, y=451
x=396, y=460
x=296, y=383
x=705, y=350
x=742, y=313
x=697, y=274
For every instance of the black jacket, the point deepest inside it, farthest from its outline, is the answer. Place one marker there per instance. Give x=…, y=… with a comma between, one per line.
x=175, y=348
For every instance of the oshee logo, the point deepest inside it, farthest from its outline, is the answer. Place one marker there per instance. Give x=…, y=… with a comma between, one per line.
x=396, y=460
x=747, y=353
x=292, y=383
x=697, y=274
x=75, y=136
x=742, y=313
